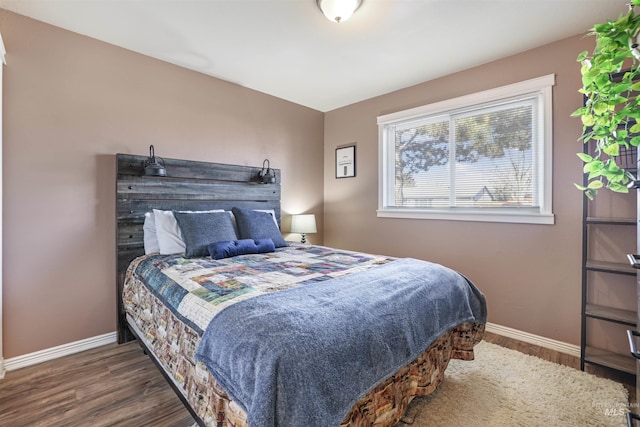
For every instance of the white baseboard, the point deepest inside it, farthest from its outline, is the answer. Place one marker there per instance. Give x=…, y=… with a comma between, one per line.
x=25, y=360
x=109, y=338
x=559, y=346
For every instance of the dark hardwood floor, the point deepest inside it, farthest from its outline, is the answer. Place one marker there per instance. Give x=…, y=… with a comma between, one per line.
x=114, y=385
x=118, y=385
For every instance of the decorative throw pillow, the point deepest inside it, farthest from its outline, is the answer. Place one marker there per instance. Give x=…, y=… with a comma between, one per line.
x=231, y=248
x=168, y=234
x=271, y=212
x=201, y=229
x=257, y=225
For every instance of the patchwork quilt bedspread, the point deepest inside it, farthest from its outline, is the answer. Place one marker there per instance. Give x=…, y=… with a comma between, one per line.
x=197, y=289
x=304, y=357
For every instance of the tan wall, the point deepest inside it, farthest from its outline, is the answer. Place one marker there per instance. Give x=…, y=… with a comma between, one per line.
x=531, y=274
x=70, y=104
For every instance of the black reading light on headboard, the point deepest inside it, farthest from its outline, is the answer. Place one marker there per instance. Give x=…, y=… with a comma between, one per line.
x=266, y=175
x=153, y=167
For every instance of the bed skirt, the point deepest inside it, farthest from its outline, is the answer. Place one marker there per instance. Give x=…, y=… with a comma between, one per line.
x=174, y=344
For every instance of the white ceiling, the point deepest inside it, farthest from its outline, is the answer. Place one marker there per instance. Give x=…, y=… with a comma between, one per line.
x=288, y=49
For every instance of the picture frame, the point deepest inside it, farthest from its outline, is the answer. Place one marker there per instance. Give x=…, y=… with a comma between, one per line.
x=346, y=161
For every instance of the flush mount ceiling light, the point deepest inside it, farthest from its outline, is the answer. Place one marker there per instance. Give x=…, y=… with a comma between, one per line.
x=338, y=10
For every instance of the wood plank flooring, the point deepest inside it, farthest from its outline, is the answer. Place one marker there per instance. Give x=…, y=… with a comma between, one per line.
x=118, y=385
x=114, y=385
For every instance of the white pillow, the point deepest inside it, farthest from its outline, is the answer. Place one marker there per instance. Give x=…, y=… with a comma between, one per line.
x=150, y=238
x=170, y=240
x=168, y=233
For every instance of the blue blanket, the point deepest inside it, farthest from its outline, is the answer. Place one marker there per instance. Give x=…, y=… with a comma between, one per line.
x=305, y=356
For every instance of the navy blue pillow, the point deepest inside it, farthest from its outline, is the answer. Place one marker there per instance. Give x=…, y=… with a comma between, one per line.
x=257, y=225
x=200, y=229
x=231, y=248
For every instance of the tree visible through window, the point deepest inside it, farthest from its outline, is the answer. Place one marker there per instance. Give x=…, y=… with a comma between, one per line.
x=482, y=157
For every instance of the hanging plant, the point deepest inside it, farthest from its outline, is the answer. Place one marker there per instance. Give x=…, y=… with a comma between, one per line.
x=611, y=105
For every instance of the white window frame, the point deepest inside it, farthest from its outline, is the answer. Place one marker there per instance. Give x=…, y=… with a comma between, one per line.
x=535, y=215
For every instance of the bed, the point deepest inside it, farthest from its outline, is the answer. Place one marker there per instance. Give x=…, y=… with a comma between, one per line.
x=195, y=313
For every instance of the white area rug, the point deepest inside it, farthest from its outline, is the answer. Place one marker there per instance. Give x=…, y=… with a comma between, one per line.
x=503, y=387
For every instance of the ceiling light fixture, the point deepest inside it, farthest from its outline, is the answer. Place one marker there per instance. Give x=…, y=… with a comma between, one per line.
x=338, y=10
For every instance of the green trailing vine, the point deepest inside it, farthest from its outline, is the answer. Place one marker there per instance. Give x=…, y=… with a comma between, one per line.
x=611, y=105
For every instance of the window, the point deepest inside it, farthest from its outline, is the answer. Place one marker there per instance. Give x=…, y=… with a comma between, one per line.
x=480, y=157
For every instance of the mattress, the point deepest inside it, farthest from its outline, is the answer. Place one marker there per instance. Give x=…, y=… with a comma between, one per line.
x=170, y=312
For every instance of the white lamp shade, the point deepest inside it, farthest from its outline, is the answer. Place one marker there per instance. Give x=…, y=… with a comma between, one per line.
x=303, y=224
x=338, y=10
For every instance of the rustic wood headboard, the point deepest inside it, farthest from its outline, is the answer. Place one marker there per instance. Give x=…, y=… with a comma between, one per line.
x=189, y=185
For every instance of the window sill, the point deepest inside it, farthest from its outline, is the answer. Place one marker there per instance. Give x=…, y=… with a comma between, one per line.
x=522, y=217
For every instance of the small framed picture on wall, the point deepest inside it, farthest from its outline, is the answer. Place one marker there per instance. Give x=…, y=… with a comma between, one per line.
x=346, y=161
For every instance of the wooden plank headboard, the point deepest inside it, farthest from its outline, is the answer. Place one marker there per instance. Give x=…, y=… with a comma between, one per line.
x=189, y=185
